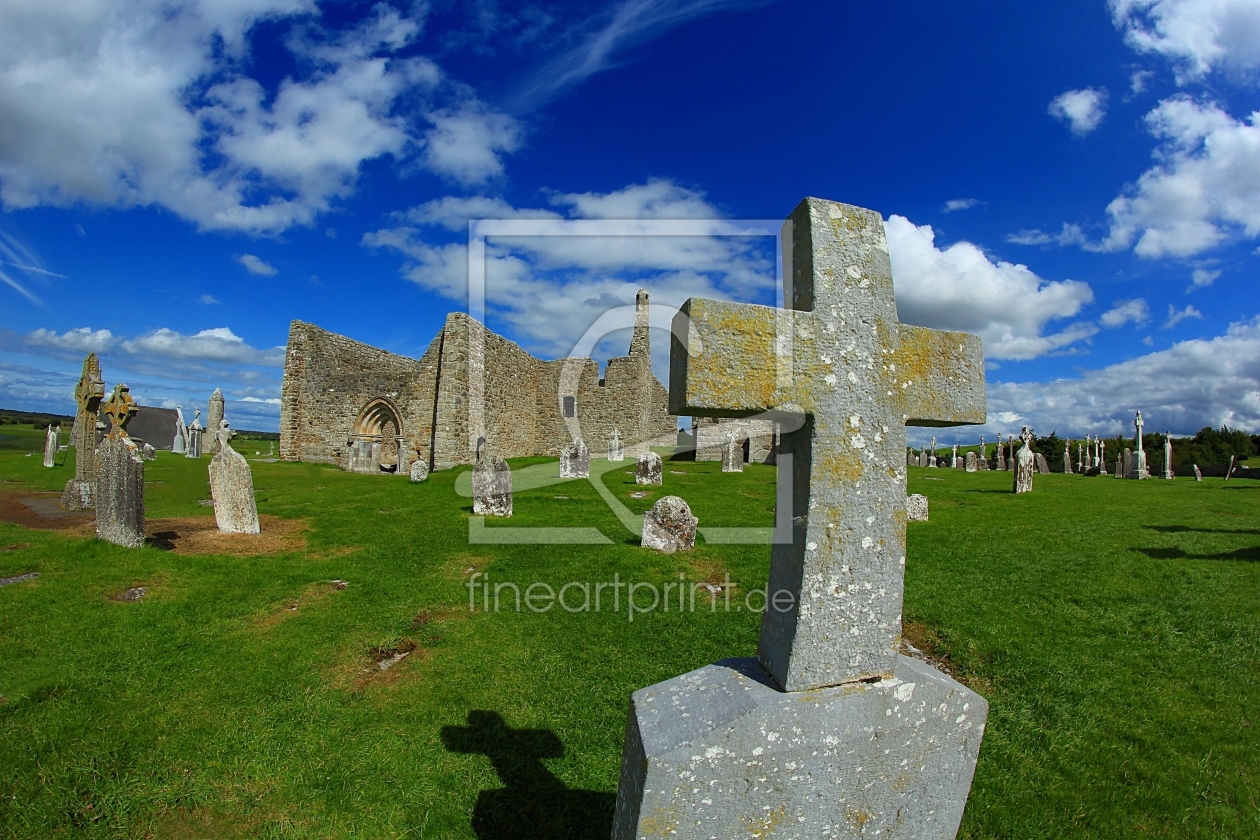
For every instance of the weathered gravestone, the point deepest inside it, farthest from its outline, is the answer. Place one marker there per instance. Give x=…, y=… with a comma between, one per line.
x=953, y=458
x=1168, y=470
x=148, y=453
x=232, y=487
x=916, y=508
x=1102, y=456
x=492, y=487
x=214, y=417
x=732, y=454
x=194, y=436
x=1001, y=456
x=119, y=489
x=1198, y=475
x=972, y=462
x=87, y=397
x=982, y=455
x=647, y=470
x=669, y=526
x=923, y=458
x=616, y=451
x=1127, y=460
x=1043, y=466
x=932, y=453
x=575, y=460
x=830, y=732
x=52, y=440
x=1025, y=464
x=1067, y=457
x=419, y=471
x=179, y=444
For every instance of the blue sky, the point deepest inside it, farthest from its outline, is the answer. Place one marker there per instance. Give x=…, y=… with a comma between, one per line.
x=1077, y=182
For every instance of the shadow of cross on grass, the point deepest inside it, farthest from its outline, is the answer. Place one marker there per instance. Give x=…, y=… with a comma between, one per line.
x=533, y=803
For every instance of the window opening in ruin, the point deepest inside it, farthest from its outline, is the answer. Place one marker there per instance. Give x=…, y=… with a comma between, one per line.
x=570, y=406
x=746, y=448
x=481, y=447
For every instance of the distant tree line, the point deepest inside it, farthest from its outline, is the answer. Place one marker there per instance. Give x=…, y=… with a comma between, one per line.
x=37, y=419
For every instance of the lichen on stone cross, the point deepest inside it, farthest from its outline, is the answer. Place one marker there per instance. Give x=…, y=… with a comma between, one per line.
x=119, y=409
x=839, y=364
x=223, y=435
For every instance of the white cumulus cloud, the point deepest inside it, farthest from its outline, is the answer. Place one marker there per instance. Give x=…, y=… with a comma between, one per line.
x=955, y=204
x=1176, y=316
x=1204, y=188
x=1201, y=277
x=81, y=341
x=1126, y=311
x=214, y=345
x=466, y=142
x=1082, y=110
x=1199, y=35
x=254, y=265
x=960, y=288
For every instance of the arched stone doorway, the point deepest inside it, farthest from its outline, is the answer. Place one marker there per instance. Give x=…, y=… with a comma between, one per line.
x=377, y=443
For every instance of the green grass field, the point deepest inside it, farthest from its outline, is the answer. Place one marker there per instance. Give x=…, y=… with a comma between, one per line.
x=1114, y=627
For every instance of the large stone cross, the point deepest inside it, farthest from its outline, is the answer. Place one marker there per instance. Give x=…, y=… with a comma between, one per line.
x=841, y=368
x=119, y=409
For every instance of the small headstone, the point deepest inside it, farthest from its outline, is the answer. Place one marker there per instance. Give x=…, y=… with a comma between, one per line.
x=732, y=454
x=492, y=487
x=669, y=526
x=575, y=460
x=419, y=471
x=932, y=453
x=1128, y=462
x=119, y=488
x=1168, y=470
x=52, y=439
x=647, y=469
x=916, y=508
x=910, y=461
x=194, y=437
x=148, y=453
x=982, y=455
x=972, y=462
x=616, y=451
x=1025, y=464
x=923, y=458
x=214, y=418
x=1198, y=476
x=232, y=487
x=1067, y=457
x=1001, y=455
x=1043, y=466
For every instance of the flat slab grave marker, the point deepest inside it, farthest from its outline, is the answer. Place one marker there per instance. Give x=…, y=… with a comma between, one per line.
x=829, y=732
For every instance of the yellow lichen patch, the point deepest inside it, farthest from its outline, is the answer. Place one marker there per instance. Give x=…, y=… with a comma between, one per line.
x=762, y=824
x=945, y=372
x=736, y=368
x=662, y=822
x=859, y=817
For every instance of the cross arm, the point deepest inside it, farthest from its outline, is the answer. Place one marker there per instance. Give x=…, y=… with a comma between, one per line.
x=940, y=375
x=726, y=359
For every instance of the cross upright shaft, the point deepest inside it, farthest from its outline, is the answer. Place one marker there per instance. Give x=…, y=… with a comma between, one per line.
x=853, y=377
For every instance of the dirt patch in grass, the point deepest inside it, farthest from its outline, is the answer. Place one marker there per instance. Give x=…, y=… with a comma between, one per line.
x=204, y=823
x=200, y=535
x=14, y=547
x=12, y=510
x=288, y=608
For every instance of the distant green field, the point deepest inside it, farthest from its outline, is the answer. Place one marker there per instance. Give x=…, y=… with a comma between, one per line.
x=1113, y=625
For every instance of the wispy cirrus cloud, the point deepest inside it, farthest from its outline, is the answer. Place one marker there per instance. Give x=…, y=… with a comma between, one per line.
x=602, y=39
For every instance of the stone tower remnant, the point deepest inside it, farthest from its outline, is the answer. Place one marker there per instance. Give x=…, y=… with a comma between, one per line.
x=829, y=720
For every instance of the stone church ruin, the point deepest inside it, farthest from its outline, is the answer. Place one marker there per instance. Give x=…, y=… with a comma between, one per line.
x=367, y=410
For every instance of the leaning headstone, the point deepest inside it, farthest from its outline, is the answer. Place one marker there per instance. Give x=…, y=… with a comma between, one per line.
x=732, y=454
x=1198, y=475
x=1025, y=464
x=119, y=489
x=616, y=451
x=179, y=445
x=972, y=462
x=575, y=460
x=1043, y=466
x=916, y=508
x=1230, y=469
x=87, y=397
x=419, y=471
x=214, y=417
x=232, y=487
x=1168, y=470
x=669, y=526
x=829, y=729
x=648, y=468
x=492, y=487
x=194, y=437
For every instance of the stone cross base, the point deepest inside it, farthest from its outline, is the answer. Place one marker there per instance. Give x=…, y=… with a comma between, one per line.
x=721, y=752
x=120, y=493
x=77, y=495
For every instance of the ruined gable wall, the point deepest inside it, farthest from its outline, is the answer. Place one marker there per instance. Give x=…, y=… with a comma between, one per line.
x=329, y=378
x=711, y=432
